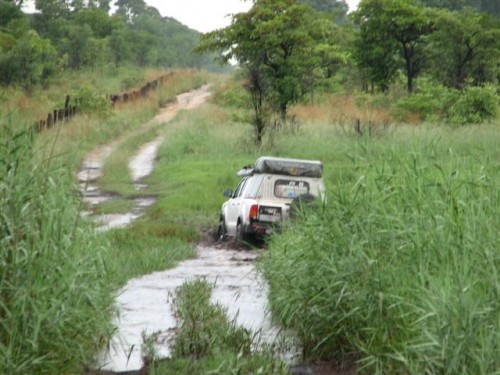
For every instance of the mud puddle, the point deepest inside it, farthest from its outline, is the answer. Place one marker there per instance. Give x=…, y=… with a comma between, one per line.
x=145, y=304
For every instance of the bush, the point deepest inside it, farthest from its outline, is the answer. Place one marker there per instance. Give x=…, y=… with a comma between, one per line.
x=475, y=105
x=430, y=103
x=89, y=101
x=434, y=102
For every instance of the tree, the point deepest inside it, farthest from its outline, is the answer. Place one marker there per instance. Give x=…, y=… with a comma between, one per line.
x=30, y=61
x=129, y=9
x=17, y=3
x=492, y=7
x=119, y=46
x=75, y=45
x=464, y=46
x=329, y=51
x=336, y=8
x=99, y=21
x=52, y=9
x=271, y=42
x=9, y=12
x=375, y=51
x=104, y=5
x=387, y=23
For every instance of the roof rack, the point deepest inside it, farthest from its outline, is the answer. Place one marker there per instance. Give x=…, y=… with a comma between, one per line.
x=283, y=166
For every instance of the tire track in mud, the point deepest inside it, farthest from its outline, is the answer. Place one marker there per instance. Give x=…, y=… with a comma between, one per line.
x=140, y=165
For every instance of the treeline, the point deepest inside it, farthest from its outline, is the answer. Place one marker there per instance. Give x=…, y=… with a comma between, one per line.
x=76, y=34
x=290, y=49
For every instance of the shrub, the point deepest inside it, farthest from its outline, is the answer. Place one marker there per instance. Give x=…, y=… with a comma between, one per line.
x=475, y=105
x=430, y=103
x=89, y=101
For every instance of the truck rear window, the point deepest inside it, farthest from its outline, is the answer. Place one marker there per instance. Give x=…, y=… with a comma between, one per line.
x=290, y=188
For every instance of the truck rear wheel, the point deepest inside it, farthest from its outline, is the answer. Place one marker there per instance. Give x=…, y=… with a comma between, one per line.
x=221, y=231
x=241, y=236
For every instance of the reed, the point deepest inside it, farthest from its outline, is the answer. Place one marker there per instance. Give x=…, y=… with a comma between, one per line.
x=55, y=301
x=400, y=268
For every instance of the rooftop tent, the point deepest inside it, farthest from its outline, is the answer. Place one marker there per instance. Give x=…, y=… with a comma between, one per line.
x=289, y=167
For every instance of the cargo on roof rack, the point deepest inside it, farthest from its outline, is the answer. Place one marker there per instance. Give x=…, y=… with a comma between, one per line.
x=289, y=167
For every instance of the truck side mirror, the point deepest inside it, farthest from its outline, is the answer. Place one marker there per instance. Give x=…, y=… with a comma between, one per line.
x=228, y=193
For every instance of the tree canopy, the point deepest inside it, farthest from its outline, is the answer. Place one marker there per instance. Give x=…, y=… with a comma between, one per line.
x=83, y=33
x=403, y=35
x=278, y=48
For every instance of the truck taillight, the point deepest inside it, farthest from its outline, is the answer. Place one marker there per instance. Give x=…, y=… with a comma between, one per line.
x=254, y=211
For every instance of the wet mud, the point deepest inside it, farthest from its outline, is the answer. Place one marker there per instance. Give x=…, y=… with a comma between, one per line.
x=140, y=165
x=145, y=304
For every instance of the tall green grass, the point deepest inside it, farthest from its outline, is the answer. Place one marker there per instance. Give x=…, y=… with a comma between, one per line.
x=401, y=267
x=207, y=341
x=55, y=297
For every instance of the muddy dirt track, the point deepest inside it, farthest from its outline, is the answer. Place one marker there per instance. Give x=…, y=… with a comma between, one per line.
x=144, y=303
x=140, y=165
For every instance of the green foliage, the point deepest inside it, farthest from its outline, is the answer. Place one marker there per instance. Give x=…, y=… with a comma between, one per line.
x=434, y=102
x=335, y=10
x=491, y=7
x=391, y=31
x=431, y=102
x=101, y=24
x=55, y=300
x=402, y=265
x=232, y=96
x=463, y=48
x=204, y=329
x=8, y=13
x=454, y=47
x=475, y=105
x=30, y=61
x=270, y=41
x=80, y=34
x=283, y=50
x=91, y=102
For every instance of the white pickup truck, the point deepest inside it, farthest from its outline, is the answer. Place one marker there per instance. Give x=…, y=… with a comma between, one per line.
x=263, y=197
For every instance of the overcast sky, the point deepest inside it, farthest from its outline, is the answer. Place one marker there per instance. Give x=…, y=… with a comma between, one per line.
x=201, y=15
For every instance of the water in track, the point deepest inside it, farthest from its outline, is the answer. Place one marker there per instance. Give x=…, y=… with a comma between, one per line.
x=145, y=304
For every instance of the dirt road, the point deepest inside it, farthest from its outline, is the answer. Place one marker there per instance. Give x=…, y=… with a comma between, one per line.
x=145, y=303
x=140, y=165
